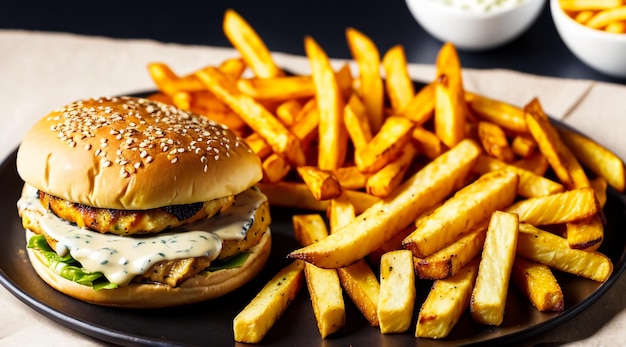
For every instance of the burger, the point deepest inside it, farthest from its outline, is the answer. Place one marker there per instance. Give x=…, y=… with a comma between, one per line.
x=131, y=202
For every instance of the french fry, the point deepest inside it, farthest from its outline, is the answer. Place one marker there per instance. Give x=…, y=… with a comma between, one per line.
x=386, y=146
x=345, y=81
x=530, y=185
x=450, y=107
x=232, y=67
x=288, y=111
x=421, y=107
x=598, y=159
x=599, y=185
x=323, y=284
x=357, y=279
x=494, y=141
x=357, y=122
x=494, y=271
x=333, y=136
x=298, y=195
x=568, y=206
x=498, y=112
x=258, y=145
x=275, y=168
x=258, y=118
x=538, y=284
x=447, y=300
x=322, y=184
x=367, y=58
x=579, y=5
x=554, y=251
x=536, y=163
x=277, y=88
x=562, y=161
x=393, y=244
x=604, y=17
x=350, y=177
x=398, y=82
x=523, y=145
x=583, y=17
x=389, y=216
x=427, y=142
x=256, y=319
x=469, y=206
x=383, y=182
x=586, y=234
x=449, y=260
x=617, y=27
x=397, y=292
x=253, y=50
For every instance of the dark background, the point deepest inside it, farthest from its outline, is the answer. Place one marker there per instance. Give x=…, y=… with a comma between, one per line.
x=283, y=24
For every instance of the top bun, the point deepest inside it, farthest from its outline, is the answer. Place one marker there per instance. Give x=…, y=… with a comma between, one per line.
x=134, y=154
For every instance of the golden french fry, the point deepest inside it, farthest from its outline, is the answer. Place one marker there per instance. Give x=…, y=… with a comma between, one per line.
x=350, y=177
x=323, y=284
x=447, y=300
x=507, y=116
x=599, y=185
x=538, y=284
x=367, y=58
x=494, y=271
x=386, y=146
x=584, y=16
x=383, y=182
x=554, y=251
x=333, y=136
x=604, y=17
x=421, y=107
x=449, y=260
x=450, y=107
x=617, y=27
x=523, y=145
x=358, y=279
x=256, y=319
x=275, y=168
x=398, y=82
x=298, y=195
x=397, y=292
x=562, y=161
x=322, y=183
x=340, y=212
x=182, y=100
x=568, y=206
x=427, y=142
x=288, y=111
x=469, y=206
x=253, y=50
x=357, y=122
x=536, y=163
x=256, y=116
x=530, y=184
x=277, y=88
x=389, y=216
x=494, y=141
x=597, y=158
x=579, y=5
x=233, y=67
x=345, y=81
x=258, y=145
x=586, y=234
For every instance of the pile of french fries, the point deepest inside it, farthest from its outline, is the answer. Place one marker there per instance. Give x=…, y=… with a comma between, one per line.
x=605, y=15
x=437, y=185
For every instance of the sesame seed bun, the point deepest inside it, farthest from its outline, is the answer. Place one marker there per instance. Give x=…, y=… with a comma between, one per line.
x=198, y=288
x=134, y=154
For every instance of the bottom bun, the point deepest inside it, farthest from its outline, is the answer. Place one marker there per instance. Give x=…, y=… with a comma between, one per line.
x=135, y=295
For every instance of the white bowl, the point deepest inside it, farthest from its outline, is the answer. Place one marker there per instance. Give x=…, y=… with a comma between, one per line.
x=471, y=30
x=602, y=51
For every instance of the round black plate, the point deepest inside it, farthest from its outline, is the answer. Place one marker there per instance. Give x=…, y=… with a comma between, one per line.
x=210, y=323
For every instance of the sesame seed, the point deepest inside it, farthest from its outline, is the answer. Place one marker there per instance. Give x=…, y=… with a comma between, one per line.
x=173, y=161
x=88, y=146
x=107, y=163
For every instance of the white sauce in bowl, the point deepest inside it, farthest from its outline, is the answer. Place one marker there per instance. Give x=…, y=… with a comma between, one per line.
x=483, y=6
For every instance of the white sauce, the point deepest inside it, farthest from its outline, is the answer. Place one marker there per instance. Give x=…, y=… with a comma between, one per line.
x=120, y=258
x=481, y=5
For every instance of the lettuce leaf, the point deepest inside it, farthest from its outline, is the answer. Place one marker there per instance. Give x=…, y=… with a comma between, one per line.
x=67, y=267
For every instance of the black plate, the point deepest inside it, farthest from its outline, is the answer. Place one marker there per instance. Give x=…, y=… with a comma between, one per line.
x=210, y=323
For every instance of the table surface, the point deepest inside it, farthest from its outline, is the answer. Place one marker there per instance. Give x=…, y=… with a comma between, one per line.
x=283, y=25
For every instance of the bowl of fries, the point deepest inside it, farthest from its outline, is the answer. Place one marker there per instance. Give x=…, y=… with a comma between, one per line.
x=595, y=32
x=481, y=26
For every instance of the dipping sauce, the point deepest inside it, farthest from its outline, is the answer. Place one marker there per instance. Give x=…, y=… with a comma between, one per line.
x=482, y=6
